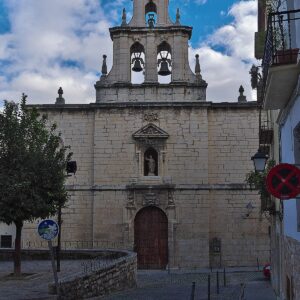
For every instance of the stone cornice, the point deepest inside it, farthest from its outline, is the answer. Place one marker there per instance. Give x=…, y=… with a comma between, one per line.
x=142, y=30
x=124, y=187
x=138, y=105
x=129, y=85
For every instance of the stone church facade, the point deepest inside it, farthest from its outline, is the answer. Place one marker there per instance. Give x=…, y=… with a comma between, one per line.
x=160, y=170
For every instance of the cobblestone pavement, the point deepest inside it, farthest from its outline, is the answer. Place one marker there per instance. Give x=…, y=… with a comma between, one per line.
x=178, y=286
x=152, y=285
x=34, y=286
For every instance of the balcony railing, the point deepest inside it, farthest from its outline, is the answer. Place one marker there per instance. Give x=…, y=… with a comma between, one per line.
x=266, y=133
x=280, y=43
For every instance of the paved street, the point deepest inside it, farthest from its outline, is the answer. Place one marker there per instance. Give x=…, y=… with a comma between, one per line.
x=152, y=285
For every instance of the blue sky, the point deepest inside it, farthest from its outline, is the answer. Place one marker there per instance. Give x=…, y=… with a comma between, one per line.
x=51, y=43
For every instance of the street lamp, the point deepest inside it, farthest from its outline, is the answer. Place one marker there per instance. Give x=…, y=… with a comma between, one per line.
x=259, y=160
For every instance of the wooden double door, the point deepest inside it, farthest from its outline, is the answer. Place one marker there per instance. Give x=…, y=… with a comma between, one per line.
x=151, y=238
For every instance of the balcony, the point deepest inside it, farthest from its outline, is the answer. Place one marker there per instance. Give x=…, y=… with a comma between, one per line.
x=281, y=66
x=266, y=134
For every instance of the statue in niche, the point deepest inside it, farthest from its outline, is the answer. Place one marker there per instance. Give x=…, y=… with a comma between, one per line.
x=151, y=165
x=151, y=162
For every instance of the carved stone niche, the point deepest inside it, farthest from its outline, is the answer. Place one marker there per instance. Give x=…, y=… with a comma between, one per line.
x=150, y=131
x=150, y=151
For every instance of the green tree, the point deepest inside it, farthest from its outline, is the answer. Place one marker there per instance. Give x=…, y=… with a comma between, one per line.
x=32, y=169
x=257, y=181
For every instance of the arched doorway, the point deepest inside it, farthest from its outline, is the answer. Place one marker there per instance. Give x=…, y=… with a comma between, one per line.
x=151, y=238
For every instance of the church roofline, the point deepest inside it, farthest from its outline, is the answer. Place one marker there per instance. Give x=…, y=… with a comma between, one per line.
x=152, y=105
x=138, y=30
x=103, y=84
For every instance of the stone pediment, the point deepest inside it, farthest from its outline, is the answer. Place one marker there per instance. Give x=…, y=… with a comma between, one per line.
x=150, y=131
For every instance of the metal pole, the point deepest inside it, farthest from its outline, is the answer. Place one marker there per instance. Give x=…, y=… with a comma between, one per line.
x=224, y=277
x=257, y=264
x=58, y=249
x=208, y=288
x=218, y=285
x=54, y=269
x=193, y=291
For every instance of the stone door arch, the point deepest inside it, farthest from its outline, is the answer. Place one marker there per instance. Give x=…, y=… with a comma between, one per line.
x=151, y=238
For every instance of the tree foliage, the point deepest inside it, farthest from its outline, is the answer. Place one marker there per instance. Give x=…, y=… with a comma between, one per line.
x=276, y=5
x=257, y=181
x=32, y=165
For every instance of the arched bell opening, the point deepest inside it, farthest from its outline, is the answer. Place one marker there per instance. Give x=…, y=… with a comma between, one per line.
x=150, y=162
x=150, y=14
x=164, y=63
x=137, y=57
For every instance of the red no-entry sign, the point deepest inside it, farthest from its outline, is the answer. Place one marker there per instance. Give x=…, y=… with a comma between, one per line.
x=283, y=181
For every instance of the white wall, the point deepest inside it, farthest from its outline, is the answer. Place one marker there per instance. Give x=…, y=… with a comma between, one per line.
x=287, y=156
x=8, y=230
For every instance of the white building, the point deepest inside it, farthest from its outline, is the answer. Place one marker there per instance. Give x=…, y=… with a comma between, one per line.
x=281, y=97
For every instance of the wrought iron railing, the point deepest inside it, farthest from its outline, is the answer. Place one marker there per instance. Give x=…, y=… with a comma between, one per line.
x=266, y=134
x=280, y=42
x=69, y=245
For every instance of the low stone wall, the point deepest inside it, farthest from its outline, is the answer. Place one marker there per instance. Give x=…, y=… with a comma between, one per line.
x=7, y=255
x=100, y=278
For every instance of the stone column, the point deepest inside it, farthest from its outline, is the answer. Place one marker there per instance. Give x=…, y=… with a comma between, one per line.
x=180, y=62
x=123, y=60
x=151, y=59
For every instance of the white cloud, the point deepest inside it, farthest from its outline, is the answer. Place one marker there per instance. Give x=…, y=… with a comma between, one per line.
x=200, y=2
x=238, y=36
x=47, y=35
x=225, y=72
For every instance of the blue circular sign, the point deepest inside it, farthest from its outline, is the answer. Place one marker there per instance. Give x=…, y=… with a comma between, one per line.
x=48, y=230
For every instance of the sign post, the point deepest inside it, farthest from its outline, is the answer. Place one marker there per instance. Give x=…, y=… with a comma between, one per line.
x=48, y=230
x=283, y=181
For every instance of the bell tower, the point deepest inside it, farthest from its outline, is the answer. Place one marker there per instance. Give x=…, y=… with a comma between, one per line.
x=154, y=49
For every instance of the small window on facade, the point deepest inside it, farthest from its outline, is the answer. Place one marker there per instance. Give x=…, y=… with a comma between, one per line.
x=6, y=241
x=151, y=162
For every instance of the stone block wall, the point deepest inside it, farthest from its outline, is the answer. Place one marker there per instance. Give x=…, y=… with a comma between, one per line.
x=149, y=93
x=202, y=169
x=191, y=232
x=291, y=268
x=118, y=275
x=244, y=239
x=233, y=140
x=77, y=128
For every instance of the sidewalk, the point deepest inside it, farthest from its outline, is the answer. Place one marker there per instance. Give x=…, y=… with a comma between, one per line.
x=152, y=285
x=259, y=290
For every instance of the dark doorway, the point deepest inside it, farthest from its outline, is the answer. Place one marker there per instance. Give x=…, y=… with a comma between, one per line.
x=6, y=241
x=151, y=162
x=151, y=238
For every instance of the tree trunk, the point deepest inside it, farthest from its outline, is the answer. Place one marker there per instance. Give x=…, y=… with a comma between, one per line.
x=17, y=254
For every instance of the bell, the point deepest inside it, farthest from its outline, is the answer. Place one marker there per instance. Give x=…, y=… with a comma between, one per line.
x=164, y=69
x=137, y=67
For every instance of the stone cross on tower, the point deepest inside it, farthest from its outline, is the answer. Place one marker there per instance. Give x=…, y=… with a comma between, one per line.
x=155, y=47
